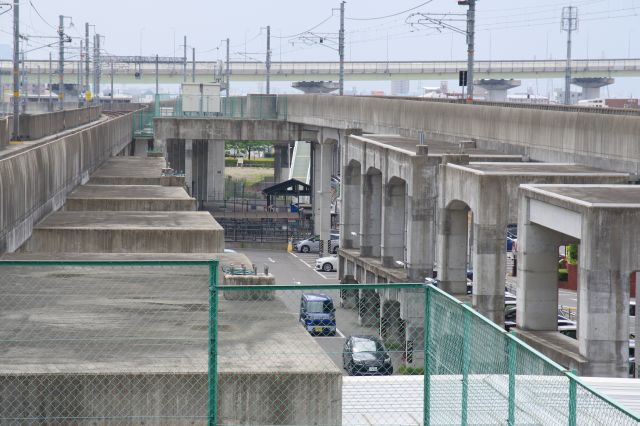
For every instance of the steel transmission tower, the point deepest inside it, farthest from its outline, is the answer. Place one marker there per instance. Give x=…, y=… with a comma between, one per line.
x=569, y=24
x=15, y=137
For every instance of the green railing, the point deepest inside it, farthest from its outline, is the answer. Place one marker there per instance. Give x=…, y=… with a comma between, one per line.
x=166, y=342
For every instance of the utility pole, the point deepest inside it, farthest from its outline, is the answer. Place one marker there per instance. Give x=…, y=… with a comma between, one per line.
x=341, y=48
x=80, y=74
x=96, y=64
x=184, y=61
x=569, y=24
x=86, y=55
x=157, y=99
x=227, y=69
x=111, y=84
x=471, y=35
x=50, y=108
x=268, y=61
x=15, y=137
x=61, y=65
x=193, y=64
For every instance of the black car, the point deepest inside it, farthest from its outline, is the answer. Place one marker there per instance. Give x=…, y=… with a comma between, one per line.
x=366, y=355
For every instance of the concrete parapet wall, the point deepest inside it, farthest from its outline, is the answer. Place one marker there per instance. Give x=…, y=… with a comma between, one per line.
x=225, y=128
x=260, y=279
x=35, y=182
x=129, y=205
x=36, y=126
x=6, y=124
x=607, y=141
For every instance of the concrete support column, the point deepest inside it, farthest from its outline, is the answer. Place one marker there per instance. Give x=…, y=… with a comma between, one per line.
x=391, y=325
x=322, y=163
x=350, y=211
x=371, y=214
x=420, y=236
x=281, y=162
x=603, y=296
x=489, y=252
x=215, y=169
x=368, y=308
x=452, y=249
x=537, y=295
x=188, y=165
x=393, y=223
x=140, y=147
x=160, y=145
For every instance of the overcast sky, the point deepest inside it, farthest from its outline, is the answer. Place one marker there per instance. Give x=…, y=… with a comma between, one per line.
x=507, y=29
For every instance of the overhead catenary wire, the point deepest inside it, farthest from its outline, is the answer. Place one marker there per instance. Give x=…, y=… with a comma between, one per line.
x=390, y=15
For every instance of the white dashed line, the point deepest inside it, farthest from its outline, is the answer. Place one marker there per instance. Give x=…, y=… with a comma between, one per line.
x=271, y=260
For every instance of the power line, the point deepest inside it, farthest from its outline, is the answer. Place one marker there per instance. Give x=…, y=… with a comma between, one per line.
x=310, y=29
x=38, y=13
x=391, y=15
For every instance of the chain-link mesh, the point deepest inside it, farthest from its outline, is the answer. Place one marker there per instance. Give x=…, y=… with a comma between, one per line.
x=104, y=344
x=162, y=343
x=480, y=374
x=317, y=355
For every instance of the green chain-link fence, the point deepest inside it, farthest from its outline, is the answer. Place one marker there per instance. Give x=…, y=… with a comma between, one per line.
x=481, y=374
x=164, y=343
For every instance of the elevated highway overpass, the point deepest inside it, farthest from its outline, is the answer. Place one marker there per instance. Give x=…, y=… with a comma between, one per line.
x=171, y=70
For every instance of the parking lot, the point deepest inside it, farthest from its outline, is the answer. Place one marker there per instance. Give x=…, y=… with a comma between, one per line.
x=299, y=268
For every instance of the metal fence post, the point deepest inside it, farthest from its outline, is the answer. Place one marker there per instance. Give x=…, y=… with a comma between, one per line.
x=213, y=343
x=426, y=409
x=466, y=332
x=573, y=404
x=512, y=380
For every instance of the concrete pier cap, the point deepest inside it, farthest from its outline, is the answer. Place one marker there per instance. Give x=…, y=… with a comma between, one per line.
x=605, y=219
x=591, y=85
x=490, y=191
x=497, y=88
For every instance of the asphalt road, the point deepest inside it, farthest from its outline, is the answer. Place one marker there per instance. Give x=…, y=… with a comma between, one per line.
x=299, y=269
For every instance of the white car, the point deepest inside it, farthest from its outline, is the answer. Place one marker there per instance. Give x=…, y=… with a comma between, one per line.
x=327, y=264
x=312, y=244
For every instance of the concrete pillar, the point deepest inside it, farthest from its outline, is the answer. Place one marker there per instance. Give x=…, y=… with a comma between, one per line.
x=537, y=294
x=368, y=308
x=489, y=253
x=350, y=211
x=322, y=163
x=188, y=165
x=215, y=169
x=371, y=214
x=452, y=249
x=281, y=162
x=393, y=222
x=603, y=296
x=391, y=324
x=421, y=206
x=160, y=146
x=140, y=147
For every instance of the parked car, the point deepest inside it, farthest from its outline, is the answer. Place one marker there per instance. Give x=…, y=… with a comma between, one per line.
x=318, y=314
x=366, y=355
x=436, y=283
x=312, y=244
x=328, y=263
x=565, y=325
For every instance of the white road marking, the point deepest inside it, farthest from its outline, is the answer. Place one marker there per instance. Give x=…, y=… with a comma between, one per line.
x=293, y=254
x=271, y=260
x=574, y=299
x=340, y=333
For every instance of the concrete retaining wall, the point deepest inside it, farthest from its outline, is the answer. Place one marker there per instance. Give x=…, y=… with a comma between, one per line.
x=35, y=182
x=607, y=141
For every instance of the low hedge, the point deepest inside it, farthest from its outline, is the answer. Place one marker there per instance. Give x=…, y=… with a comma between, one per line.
x=407, y=370
x=254, y=162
